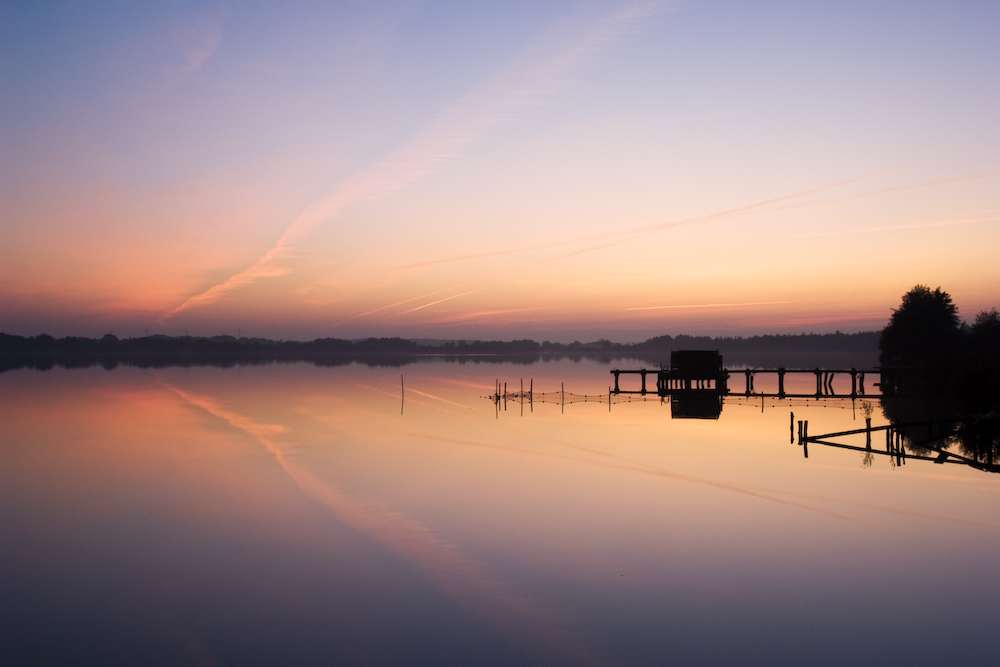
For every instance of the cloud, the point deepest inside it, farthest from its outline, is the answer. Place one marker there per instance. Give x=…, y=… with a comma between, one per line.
x=447, y=298
x=536, y=72
x=710, y=305
x=611, y=239
x=927, y=224
x=182, y=51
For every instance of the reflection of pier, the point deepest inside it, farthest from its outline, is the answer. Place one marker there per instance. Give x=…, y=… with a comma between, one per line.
x=672, y=380
x=696, y=382
x=931, y=436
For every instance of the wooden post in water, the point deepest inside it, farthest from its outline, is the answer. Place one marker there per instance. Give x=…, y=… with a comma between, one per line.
x=402, y=393
x=781, y=383
x=562, y=393
x=531, y=394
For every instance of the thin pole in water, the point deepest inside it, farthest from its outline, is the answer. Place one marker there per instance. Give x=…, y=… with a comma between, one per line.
x=402, y=393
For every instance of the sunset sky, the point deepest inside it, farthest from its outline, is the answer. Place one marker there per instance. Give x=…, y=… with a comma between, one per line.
x=548, y=170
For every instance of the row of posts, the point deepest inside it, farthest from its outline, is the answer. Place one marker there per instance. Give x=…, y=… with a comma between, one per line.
x=824, y=382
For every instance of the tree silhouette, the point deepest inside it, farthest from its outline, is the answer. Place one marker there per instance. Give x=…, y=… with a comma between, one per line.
x=923, y=332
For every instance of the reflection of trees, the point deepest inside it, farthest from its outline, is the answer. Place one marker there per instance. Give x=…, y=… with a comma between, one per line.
x=930, y=422
x=941, y=379
x=979, y=439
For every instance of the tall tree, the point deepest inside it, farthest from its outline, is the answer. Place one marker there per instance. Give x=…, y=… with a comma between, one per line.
x=924, y=331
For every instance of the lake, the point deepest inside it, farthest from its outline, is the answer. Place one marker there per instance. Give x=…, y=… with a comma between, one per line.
x=294, y=514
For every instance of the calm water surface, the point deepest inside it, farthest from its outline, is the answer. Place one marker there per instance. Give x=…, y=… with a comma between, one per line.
x=291, y=514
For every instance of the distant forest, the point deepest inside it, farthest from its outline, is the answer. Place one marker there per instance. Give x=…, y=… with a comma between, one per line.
x=41, y=352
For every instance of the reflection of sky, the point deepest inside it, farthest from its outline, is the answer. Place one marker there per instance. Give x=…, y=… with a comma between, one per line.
x=523, y=169
x=200, y=506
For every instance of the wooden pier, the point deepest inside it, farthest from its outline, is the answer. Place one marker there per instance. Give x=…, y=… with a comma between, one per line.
x=704, y=377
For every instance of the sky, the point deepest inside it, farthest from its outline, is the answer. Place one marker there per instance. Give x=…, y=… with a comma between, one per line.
x=496, y=170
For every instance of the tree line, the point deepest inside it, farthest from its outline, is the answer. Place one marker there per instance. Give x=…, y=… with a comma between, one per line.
x=44, y=351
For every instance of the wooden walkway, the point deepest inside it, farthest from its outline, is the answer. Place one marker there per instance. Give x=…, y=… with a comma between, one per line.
x=670, y=381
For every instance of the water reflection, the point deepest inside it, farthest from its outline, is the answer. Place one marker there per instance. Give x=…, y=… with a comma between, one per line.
x=291, y=514
x=454, y=572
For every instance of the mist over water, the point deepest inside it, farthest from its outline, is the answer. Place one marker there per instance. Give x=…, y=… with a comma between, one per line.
x=297, y=514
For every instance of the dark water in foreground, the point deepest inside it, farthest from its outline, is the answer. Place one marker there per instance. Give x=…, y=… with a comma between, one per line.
x=289, y=514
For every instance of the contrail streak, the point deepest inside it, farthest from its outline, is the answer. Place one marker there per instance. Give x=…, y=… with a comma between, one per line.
x=537, y=629
x=438, y=398
x=630, y=466
x=907, y=225
x=709, y=305
x=530, y=76
x=447, y=298
x=400, y=303
x=629, y=234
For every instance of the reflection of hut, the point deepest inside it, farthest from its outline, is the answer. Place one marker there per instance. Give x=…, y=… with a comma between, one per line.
x=695, y=383
x=695, y=404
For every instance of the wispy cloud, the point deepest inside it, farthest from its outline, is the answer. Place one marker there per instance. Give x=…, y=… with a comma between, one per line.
x=536, y=72
x=710, y=305
x=447, y=298
x=786, y=202
x=183, y=51
x=926, y=224
x=618, y=237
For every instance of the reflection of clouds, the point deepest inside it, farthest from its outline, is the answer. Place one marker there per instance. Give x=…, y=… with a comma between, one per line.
x=438, y=398
x=622, y=463
x=891, y=510
x=456, y=574
x=770, y=491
